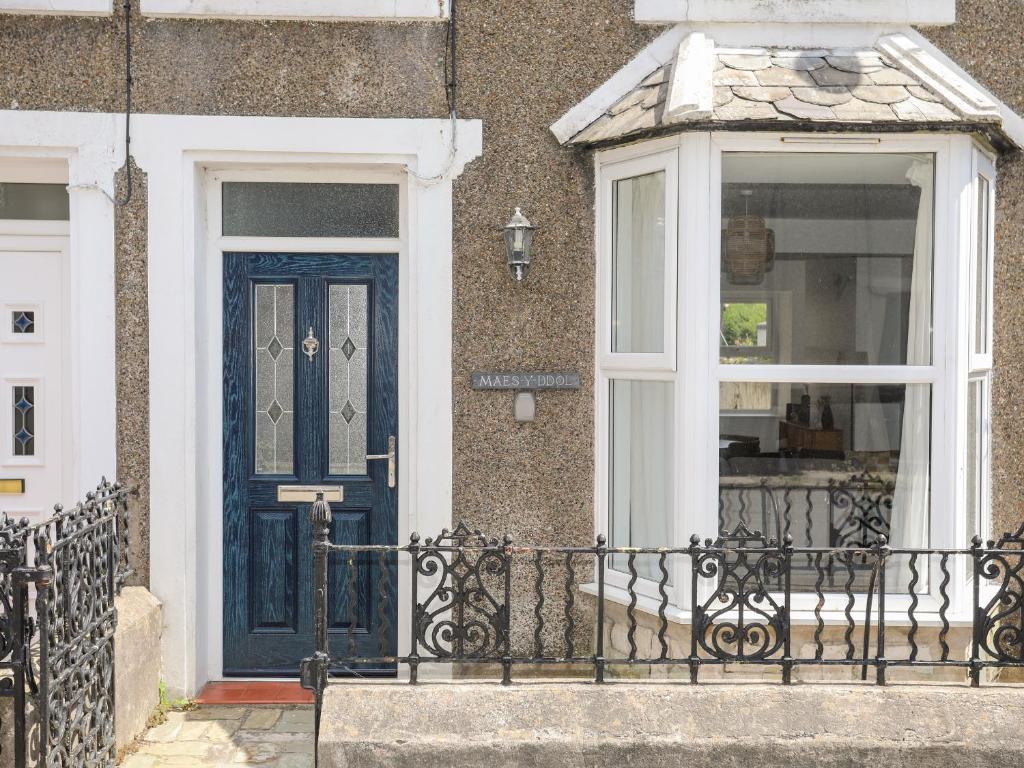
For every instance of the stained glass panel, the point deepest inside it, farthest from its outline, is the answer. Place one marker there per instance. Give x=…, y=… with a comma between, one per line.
x=347, y=377
x=274, y=359
x=24, y=402
x=23, y=321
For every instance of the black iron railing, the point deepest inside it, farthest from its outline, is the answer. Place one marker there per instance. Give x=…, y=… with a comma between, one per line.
x=58, y=581
x=463, y=587
x=476, y=603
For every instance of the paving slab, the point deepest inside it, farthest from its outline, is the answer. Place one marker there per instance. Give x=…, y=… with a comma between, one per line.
x=229, y=737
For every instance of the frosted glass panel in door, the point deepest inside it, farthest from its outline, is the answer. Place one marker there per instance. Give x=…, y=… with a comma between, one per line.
x=347, y=378
x=274, y=361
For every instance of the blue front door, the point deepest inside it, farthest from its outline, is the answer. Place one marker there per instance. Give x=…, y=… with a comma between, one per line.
x=310, y=390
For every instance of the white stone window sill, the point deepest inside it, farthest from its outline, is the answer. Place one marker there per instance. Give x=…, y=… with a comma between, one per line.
x=830, y=617
x=58, y=7
x=318, y=10
x=923, y=12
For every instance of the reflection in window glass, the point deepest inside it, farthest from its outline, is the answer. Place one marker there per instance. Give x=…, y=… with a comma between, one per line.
x=745, y=332
x=638, y=264
x=642, y=469
x=844, y=241
x=843, y=463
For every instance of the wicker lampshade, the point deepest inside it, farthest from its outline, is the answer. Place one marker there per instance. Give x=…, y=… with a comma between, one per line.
x=748, y=249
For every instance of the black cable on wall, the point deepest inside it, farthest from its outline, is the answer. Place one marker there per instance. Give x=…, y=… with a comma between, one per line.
x=121, y=202
x=451, y=84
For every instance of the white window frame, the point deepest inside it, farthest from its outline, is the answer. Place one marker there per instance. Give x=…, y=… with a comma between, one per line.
x=666, y=161
x=58, y=7
x=664, y=157
x=980, y=363
x=698, y=348
x=321, y=10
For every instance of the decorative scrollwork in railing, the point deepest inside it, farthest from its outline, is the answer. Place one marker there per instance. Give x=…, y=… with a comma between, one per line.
x=85, y=551
x=56, y=646
x=740, y=621
x=461, y=618
x=736, y=593
x=1001, y=634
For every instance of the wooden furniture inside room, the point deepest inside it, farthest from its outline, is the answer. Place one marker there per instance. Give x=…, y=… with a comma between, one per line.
x=798, y=437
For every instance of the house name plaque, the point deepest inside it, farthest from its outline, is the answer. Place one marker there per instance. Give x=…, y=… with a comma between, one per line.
x=525, y=380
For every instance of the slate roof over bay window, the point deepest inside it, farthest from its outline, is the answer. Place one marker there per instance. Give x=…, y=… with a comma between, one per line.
x=705, y=86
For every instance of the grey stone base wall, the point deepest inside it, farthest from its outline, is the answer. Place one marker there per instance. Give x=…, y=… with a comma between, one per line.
x=657, y=725
x=136, y=662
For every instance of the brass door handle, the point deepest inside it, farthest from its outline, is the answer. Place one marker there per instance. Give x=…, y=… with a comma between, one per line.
x=392, y=459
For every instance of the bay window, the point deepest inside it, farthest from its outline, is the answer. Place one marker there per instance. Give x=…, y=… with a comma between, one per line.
x=828, y=299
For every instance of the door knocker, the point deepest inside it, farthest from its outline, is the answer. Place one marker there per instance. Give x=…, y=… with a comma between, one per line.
x=310, y=344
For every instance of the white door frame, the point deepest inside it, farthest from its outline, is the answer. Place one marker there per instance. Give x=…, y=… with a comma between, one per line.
x=82, y=150
x=211, y=598
x=178, y=153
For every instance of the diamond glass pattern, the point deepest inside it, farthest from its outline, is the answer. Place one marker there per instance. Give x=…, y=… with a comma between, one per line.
x=274, y=348
x=274, y=411
x=24, y=420
x=348, y=412
x=23, y=321
x=347, y=312
x=274, y=358
x=348, y=348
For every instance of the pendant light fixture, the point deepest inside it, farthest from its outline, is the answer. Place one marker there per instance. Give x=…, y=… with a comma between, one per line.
x=748, y=247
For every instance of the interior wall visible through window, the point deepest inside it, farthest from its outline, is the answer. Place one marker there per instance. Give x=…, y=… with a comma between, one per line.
x=846, y=241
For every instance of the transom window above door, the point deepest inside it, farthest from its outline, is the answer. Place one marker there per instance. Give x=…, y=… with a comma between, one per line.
x=34, y=202
x=300, y=209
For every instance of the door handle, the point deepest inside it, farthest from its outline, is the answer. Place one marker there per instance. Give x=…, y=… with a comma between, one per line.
x=391, y=457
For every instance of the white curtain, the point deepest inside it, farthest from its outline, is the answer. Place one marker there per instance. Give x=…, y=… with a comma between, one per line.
x=642, y=421
x=642, y=473
x=911, y=500
x=640, y=264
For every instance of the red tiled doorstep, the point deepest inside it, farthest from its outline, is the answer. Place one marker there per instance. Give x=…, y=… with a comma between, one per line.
x=247, y=692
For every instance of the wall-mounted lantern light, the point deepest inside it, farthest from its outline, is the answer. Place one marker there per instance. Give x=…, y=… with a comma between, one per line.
x=518, y=241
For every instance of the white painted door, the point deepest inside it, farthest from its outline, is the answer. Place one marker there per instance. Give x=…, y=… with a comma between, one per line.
x=34, y=446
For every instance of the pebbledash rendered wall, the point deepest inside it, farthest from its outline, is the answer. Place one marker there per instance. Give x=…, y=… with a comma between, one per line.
x=521, y=65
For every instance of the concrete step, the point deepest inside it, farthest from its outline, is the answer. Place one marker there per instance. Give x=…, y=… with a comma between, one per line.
x=484, y=725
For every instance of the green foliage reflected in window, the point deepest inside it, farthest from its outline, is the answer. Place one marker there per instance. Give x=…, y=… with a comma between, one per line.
x=744, y=324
